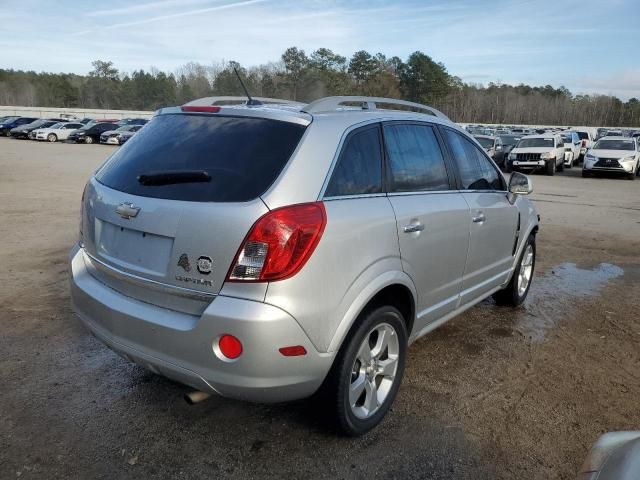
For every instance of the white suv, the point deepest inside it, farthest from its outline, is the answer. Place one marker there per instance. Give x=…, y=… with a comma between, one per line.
x=538, y=152
x=613, y=155
x=265, y=251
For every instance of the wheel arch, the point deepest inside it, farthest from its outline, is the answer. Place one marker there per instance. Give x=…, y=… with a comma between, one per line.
x=395, y=289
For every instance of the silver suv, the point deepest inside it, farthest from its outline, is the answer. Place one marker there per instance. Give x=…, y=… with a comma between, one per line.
x=270, y=250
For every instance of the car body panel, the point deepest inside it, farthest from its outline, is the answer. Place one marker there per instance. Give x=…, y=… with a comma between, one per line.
x=132, y=288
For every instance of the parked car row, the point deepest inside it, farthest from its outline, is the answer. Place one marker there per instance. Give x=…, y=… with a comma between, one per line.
x=553, y=149
x=86, y=130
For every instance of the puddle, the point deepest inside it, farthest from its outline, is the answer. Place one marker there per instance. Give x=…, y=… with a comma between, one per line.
x=550, y=293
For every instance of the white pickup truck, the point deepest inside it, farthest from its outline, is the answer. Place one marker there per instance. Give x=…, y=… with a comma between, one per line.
x=538, y=152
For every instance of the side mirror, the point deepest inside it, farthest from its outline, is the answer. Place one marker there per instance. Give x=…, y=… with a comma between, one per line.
x=520, y=184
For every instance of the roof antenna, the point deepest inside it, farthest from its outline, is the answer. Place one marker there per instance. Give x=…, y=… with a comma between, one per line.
x=251, y=101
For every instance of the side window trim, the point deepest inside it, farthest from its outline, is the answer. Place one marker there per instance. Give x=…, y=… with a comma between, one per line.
x=447, y=163
x=351, y=131
x=497, y=170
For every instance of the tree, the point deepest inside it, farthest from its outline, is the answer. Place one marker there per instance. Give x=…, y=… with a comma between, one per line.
x=102, y=69
x=361, y=66
x=423, y=80
x=295, y=64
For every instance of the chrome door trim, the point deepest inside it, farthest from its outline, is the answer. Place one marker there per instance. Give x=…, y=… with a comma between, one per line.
x=93, y=262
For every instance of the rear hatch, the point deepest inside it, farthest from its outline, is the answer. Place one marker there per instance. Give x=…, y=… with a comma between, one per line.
x=166, y=214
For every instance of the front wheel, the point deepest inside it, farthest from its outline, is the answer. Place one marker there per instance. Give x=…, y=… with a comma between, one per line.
x=518, y=287
x=367, y=372
x=52, y=137
x=88, y=140
x=551, y=167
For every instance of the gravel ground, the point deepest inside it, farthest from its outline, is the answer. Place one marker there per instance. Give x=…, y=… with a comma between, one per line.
x=495, y=393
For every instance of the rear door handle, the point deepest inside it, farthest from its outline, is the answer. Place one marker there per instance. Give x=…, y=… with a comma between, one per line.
x=479, y=218
x=414, y=227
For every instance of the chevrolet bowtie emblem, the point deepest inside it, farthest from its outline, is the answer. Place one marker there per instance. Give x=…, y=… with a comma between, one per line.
x=127, y=210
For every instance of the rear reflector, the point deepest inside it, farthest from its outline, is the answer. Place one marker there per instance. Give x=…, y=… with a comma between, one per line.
x=203, y=109
x=293, y=351
x=230, y=346
x=279, y=243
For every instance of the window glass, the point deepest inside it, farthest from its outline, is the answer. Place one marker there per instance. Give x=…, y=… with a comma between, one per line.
x=241, y=155
x=359, y=168
x=476, y=171
x=415, y=159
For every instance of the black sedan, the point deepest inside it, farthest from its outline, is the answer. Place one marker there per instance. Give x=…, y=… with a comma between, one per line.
x=90, y=133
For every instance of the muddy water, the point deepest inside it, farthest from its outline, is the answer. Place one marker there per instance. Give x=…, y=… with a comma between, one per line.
x=553, y=293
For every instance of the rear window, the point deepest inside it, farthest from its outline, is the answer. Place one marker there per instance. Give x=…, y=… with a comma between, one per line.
x=583, y=135
x=485, y=142
x=242, y=157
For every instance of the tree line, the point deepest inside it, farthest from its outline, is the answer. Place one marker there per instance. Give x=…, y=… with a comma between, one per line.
x=306, y=77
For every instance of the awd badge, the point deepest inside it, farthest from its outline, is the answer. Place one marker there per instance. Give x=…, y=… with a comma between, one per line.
x=205, y=264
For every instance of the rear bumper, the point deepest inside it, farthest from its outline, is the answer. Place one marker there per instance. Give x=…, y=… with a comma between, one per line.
x=180, y=346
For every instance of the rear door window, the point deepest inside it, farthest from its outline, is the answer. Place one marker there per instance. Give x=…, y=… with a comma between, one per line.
x=475, y=169
x=241, y=157
x=415, y=160
x=359, y=167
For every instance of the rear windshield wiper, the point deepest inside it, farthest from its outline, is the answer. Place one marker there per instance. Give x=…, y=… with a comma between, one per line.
x=171, y=177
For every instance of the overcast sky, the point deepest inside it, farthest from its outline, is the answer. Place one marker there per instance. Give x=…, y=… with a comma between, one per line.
x=590, y=46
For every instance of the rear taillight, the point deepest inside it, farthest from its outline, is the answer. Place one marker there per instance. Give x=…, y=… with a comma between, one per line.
x=279, y=243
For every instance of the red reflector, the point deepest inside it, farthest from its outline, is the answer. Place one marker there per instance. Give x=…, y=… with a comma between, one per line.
x=230, y=346
x=203, y=109
x=293, y=351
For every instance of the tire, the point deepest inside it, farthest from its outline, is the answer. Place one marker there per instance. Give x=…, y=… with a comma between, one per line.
x=631, y=176
x=52, y=137
x=88, y=140
x=516, y=292
x=350, y=373
x=585, y=174
x=551, y=168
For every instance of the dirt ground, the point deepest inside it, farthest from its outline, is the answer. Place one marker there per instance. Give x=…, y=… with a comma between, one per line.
x=494, y=394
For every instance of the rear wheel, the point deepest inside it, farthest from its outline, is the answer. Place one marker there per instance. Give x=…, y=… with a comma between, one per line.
x=367, y=372
x=52, y=137
x=518, y=287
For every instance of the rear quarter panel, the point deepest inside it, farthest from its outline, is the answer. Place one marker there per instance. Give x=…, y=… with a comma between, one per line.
x=357, y=254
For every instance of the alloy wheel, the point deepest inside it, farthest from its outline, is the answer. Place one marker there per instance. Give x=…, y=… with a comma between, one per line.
x=374, y=370
x=526, y=270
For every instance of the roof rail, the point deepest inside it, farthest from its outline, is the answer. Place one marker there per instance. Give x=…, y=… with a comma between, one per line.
x=330, y=104
x=231, y=100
